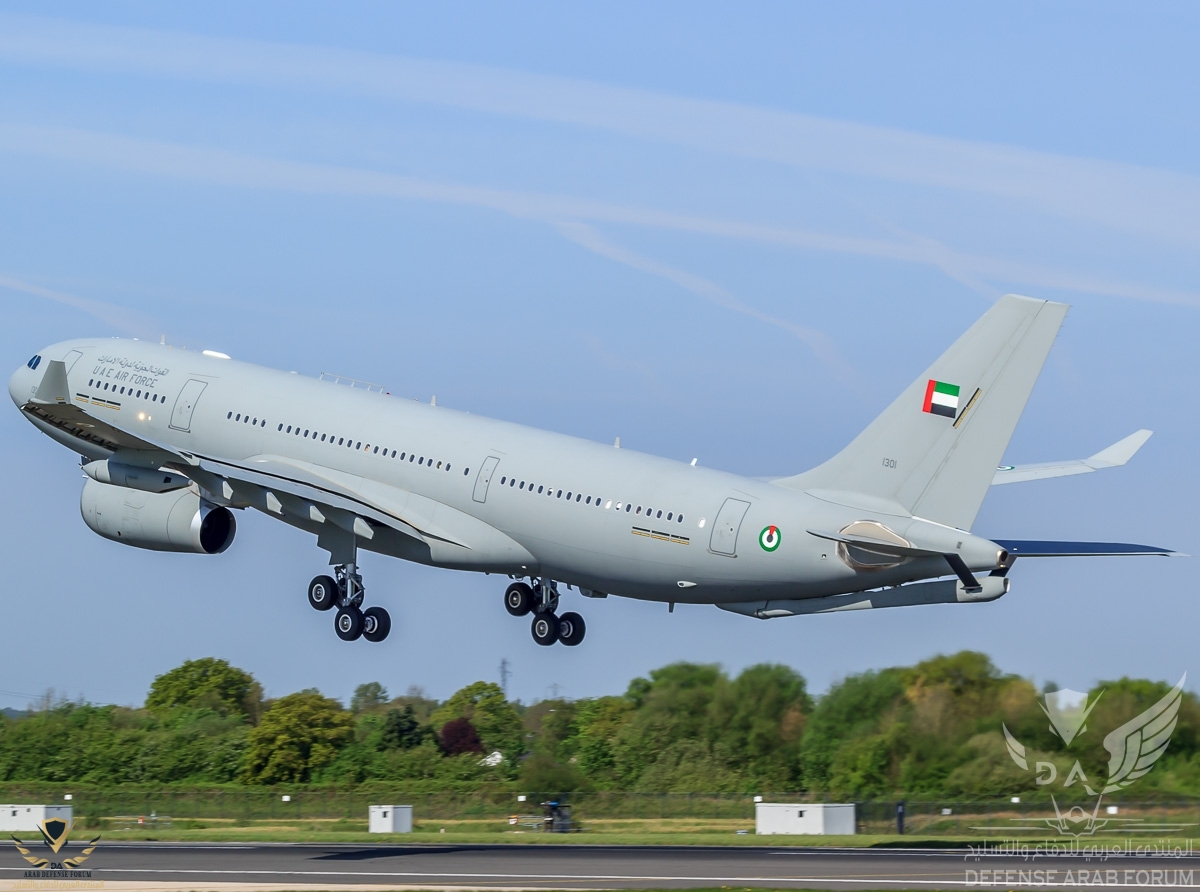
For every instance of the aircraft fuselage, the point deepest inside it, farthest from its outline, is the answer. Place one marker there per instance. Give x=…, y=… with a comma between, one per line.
x=487, y=495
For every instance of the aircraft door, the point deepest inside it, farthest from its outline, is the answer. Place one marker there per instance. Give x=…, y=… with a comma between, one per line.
x=484, y=478
x=726, y=526
x=181, y=415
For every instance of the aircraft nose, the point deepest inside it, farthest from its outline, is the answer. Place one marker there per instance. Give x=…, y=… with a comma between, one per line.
x=20, y=385
x=16, y=384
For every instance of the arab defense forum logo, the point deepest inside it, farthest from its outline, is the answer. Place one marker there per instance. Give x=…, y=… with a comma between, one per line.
x=54, y=834
x=1133, y=749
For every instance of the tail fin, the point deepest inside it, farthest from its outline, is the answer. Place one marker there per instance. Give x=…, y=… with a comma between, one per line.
x=936, y=448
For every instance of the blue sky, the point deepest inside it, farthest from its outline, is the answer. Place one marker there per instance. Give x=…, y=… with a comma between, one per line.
x=734, y=235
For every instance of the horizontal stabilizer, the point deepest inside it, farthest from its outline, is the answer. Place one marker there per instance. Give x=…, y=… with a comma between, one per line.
x=1019, y=548
x=1113, y=457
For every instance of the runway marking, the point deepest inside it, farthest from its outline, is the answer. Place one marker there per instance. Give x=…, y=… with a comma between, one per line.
x=235, y=847
x=590, y=877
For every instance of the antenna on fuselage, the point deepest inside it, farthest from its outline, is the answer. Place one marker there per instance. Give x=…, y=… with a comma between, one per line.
x=617, y=443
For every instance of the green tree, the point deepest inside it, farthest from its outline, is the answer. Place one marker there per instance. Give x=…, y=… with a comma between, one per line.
x=1124, y=700
x=850, y=709
x=673, y=705
x=207, y=683
x=368, y=696
x=423, y=707
x=687, y=766
x=493, y=717
x=401, y=730
x=550, y=728
x=598, y=724
x=542, y=773
x=760, y=717
x=298, y=736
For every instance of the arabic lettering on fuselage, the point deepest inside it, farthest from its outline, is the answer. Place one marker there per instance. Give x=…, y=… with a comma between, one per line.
x=122, y=369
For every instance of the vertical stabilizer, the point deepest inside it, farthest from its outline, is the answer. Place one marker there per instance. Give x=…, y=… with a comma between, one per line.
x=936, y=448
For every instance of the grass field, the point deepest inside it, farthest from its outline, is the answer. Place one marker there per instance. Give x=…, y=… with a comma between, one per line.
x=615, y=831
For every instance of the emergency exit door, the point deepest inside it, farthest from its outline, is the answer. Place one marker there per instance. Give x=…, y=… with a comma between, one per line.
x=181, y=416
x=485, y=477
x=726, y=526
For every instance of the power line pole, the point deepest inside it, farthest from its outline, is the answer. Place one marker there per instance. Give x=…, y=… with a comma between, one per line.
x=504, y=674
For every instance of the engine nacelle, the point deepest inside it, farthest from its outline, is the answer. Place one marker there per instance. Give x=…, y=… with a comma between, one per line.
x=171, y=521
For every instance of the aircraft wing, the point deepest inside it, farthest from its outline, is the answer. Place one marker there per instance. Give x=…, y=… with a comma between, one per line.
x=275, y=484
x=1114, y=456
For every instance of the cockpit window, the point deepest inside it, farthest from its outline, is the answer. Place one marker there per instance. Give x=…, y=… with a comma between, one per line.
x=34, y=362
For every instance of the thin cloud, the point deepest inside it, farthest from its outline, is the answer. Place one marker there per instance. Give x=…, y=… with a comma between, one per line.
x=120, y=319
x=1159, y=203
x=817, y=341
x=217, y=166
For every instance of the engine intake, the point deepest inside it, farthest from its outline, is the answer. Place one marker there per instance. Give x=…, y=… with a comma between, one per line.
x=177, y=521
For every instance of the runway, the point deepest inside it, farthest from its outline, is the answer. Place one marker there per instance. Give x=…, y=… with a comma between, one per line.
x=381, y=866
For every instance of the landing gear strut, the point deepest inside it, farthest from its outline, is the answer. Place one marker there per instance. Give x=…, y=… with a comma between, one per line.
x=345, y=591
x=541, y=599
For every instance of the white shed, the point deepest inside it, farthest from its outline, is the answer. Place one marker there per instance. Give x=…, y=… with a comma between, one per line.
x=390, y=819
x=26, y=818
x=821, y=818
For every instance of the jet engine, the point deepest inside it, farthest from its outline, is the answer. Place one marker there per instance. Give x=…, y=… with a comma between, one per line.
x=170, y=521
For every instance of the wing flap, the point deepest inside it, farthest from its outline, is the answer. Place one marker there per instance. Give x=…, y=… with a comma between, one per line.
x=271, y=474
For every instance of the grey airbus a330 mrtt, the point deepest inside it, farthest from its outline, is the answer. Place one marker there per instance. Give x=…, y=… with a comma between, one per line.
x=174, y=441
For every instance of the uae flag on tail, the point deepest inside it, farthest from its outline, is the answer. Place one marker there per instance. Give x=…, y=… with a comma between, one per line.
x=941, y=398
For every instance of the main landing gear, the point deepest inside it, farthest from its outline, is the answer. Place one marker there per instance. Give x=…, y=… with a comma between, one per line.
x=344, y=590
x=541, y=599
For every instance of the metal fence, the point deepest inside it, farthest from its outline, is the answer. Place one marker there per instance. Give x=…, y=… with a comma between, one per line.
x=254, y=805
